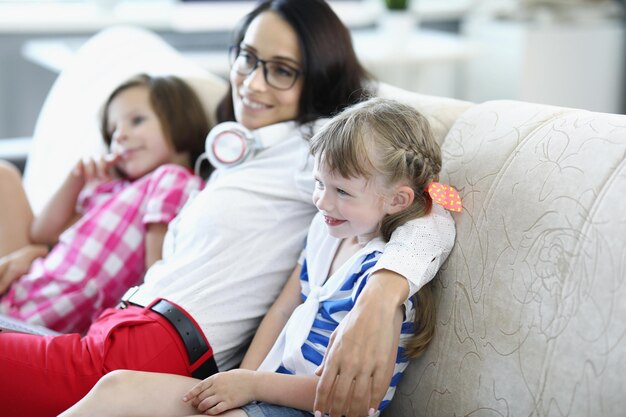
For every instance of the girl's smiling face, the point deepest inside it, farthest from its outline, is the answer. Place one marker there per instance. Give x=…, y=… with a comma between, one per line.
x=257, y=104
x=351, y=206
x=136, y=134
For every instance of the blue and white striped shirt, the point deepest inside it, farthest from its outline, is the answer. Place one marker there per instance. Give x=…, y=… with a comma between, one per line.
x=325, y=303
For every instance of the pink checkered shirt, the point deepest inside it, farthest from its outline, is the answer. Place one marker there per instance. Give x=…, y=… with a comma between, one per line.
x=103, y=254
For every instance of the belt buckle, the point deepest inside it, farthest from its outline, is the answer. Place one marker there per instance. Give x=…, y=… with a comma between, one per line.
x=125, y=300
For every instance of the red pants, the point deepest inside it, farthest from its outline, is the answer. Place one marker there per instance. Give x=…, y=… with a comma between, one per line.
x=42, y=376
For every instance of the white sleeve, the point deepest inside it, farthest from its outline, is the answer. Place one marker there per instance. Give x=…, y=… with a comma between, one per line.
x=418, y=248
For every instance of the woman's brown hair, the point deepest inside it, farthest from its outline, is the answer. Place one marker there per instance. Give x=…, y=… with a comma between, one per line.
x=333, y=76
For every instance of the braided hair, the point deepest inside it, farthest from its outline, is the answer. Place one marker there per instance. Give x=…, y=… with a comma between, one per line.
x=386, y=139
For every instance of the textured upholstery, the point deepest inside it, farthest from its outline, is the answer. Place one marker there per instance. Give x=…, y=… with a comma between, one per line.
x=441, y=112
x=532, y=301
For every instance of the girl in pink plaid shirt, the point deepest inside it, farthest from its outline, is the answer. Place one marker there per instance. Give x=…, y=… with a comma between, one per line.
x=105, y=225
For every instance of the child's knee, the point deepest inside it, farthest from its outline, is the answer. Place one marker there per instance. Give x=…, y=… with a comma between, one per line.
x=114, y=382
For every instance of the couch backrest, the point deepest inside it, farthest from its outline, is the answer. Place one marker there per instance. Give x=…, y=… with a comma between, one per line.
x=531, y=316
x=441, y=112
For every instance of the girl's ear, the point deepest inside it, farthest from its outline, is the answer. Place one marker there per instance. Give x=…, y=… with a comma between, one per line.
x=401, y=199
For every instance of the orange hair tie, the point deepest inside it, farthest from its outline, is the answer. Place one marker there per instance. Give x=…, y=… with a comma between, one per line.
x=445, y=195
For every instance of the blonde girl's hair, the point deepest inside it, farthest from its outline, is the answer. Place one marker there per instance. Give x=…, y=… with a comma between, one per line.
x=388, y=140
x=180, y=112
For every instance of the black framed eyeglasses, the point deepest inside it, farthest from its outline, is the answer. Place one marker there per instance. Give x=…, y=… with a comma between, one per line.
x=277, y=74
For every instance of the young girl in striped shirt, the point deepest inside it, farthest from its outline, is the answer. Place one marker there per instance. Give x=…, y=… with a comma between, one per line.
x=105, y=225
x=374, y=166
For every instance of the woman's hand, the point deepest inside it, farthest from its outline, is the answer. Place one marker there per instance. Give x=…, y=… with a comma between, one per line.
x=17, y=263
x=99, y=168
x=222, y=391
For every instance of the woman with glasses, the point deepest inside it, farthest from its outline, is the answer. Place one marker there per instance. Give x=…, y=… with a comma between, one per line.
x=232, y=248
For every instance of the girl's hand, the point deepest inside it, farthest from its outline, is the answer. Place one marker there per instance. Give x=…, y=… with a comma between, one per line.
x=96, y=169
x=223, y=391
x=17, y=263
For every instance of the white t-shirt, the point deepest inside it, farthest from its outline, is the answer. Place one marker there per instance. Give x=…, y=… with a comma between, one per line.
x=232, y=247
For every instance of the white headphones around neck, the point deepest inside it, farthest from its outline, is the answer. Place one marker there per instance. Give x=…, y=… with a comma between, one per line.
x=229, y=143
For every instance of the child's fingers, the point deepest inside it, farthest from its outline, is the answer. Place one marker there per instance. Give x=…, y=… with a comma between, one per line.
x=104, y=166
x=208, y=392
x=218, y=408
x=208, y=404
x=4, y=284
x=192, y=394
x=12, y=274
x=90, y=169
x=8, y=274
x=111, y=159
x=98, y=168
x=79, y=169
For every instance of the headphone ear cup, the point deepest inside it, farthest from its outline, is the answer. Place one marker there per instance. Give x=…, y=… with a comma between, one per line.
x=228, y=144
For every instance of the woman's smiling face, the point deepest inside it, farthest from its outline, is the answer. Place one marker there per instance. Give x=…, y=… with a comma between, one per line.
x=256, y=103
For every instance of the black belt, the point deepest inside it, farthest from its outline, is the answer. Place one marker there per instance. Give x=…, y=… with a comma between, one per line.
x=192, y=337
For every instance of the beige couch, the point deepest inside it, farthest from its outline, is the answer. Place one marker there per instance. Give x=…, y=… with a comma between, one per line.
x=532, y=301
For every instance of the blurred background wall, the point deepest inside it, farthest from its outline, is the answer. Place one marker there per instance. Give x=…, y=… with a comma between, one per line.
x=562, y=52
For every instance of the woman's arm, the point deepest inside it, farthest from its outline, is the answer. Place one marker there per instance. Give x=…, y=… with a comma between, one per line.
x=273, y=322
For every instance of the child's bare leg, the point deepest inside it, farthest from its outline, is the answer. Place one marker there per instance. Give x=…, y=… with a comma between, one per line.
x=15, y=212
x=133, y=393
